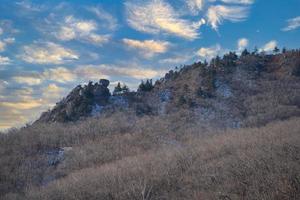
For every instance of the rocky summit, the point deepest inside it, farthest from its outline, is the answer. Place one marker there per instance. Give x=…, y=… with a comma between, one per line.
x=231, y=91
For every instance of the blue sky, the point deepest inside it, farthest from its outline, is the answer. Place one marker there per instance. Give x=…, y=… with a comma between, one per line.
x=49, y=47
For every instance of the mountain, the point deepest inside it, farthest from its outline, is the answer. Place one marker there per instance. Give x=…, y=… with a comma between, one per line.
x=233, y=91
x=224, y=130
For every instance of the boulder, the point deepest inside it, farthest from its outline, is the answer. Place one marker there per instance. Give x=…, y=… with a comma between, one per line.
x=104, y=82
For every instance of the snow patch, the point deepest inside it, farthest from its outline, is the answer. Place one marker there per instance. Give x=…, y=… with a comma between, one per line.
x=223, y=89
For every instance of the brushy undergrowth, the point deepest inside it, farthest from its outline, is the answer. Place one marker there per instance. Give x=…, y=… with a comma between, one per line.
x=125, y=157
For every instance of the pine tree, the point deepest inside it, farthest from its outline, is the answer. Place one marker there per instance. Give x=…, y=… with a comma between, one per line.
x=284, y=50
x=125, y=89
x=146, y=86
x=118, y=89
x=276, y=50
x=255, y=51
x=245, y=52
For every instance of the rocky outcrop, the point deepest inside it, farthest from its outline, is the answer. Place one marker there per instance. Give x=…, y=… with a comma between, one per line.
x=79, y=103
x=223, y=92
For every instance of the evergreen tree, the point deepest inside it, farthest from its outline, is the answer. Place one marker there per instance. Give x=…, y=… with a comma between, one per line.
x=118, y=89
x=125, y=88
x=276, y=50
x=245, y=52
x=146, y=86
x=255, y=51
x=284, y=50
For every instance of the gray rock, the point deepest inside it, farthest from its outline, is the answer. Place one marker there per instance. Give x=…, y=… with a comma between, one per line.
x=104, y=82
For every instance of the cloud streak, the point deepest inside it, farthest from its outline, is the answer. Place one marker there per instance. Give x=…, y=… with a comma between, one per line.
x=47, y=53
x=105, y=71
x=292, y=24
x=4, y=60
x=82, y=30
x=157, y=16
x=148, y=47
x=217, y=14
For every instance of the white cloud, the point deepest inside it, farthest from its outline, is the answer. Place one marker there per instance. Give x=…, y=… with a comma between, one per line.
x=109, y=20
x=1, y=31
x=52, y=93
x=269, y=46
x=83, y=30
x=148, y=47
x=22, y=105
x=207, y=53
x=177, y=59
x=5, y=42
x=195, y=5
x=47, y=53
x=2, y=46
x=239, y=1
x=9, y=40
x=242, y=44
x=59, y=74
x=293, y=24
x=97, y=39
x=216, y=14
x=95, y=72
x=28, y=6
x=4, y=60
x=157, y=16
x=29, y=80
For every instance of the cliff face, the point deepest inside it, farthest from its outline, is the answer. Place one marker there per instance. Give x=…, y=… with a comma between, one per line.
x=79, y=103
x=231, y=91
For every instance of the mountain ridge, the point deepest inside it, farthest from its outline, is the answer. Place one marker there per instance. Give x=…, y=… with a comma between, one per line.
x=218, y=91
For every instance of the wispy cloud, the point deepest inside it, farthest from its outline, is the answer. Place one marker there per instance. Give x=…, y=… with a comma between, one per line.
x=217, y=14
x=22, y=105
x=29, y=80
x=109, y=20
x=105, y=71
x=4, y=60
x=5, y=42
x=246, y=2
x=195, y=5
x=52, y=93
x=157, y=16
x=59, y=74
x=148, y=48
x=292, y=24
x=47, y=53
x=83, y=30
x=178, y=59
x=28, y=6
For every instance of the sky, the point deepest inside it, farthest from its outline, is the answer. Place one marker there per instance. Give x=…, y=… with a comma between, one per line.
x=49, y=47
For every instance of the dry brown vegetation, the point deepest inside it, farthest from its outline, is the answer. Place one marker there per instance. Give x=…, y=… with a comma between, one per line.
x=121, y=157
x=181, y=149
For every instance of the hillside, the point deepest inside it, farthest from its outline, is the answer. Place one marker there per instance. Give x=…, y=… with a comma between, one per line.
x=231, y=91
x=224, y=130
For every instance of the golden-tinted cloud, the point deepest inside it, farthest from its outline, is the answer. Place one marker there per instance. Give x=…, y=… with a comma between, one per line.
x=148, y=48
x=47, y=53
x=158, y=16
x=29, y=80
x=59, y=74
